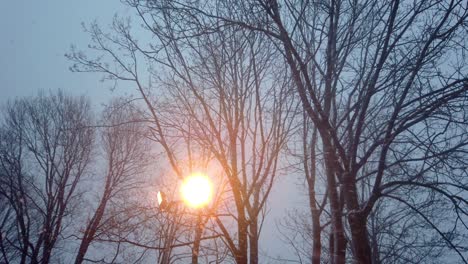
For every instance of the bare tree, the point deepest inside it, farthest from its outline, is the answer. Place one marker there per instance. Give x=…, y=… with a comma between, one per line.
x=45, y=151
x=234, y=113
x=384, y=85
x=123, y=143
x=374, y=80
x=225, y=93
x=388, y=107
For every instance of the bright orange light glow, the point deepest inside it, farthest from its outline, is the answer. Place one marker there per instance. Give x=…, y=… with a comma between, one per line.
x=197, y=190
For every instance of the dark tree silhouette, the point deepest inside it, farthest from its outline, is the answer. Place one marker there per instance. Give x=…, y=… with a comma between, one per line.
x=384, y=85
x=45, y=151
x=123, y=143
x=222, y=94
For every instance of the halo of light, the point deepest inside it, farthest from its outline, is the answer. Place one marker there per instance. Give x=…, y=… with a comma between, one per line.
x=197, y=190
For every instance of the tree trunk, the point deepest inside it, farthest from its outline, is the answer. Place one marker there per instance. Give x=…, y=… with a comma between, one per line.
x=253, y=239
x=360, y=240
x=241, y=257
x=338, y=256
x=311, y=176
x=93, y=225
x=81, y=253
x=317, y=242
x=357, y=222
x=196, y=242
x=46, y=254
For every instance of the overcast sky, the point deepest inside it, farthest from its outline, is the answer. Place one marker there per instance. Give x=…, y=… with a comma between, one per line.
x=35, y=35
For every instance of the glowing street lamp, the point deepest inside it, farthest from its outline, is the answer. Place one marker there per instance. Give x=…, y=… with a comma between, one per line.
x=197, y=191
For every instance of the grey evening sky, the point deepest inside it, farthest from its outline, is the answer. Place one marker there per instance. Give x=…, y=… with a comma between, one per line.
x=35, y=35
